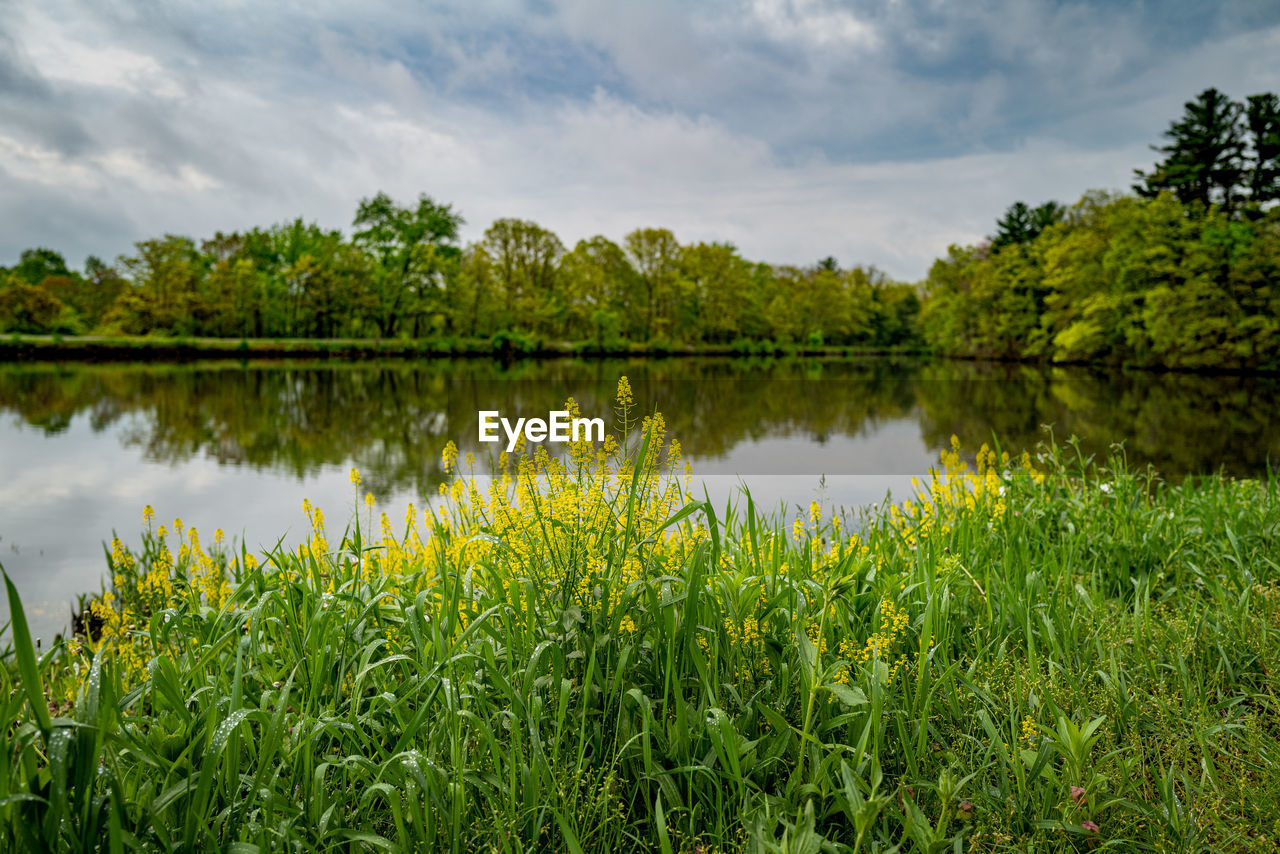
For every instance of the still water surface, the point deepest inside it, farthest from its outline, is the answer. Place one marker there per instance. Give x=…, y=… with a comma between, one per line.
x=238, y=446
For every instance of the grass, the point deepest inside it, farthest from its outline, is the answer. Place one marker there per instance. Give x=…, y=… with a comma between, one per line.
x=1057, y=654
x=17, y=346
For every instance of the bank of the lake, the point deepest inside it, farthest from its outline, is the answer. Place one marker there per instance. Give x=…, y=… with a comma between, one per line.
x=1046, y=652
x=505, y=349
x=18, y=347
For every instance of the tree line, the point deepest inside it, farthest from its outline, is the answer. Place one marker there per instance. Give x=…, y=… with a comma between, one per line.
x=402, y=273
x=1181, y=272
x=1184, y=273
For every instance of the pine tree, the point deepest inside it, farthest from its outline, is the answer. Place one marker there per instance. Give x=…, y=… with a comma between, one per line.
x=1263, y=117
x=1204, y=162
x=1021, y=224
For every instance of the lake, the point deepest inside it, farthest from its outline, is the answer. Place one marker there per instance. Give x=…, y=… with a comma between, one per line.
x=240, y=445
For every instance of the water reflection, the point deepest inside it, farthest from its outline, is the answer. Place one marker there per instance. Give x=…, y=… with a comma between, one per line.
x=1182, y=424
x=83, y=447
x=393, y=420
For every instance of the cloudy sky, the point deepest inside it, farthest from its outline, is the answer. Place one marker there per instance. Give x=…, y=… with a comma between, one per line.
x=877, y=132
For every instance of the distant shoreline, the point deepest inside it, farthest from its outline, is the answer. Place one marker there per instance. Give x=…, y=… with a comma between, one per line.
x=15, y=348
x=95, y=348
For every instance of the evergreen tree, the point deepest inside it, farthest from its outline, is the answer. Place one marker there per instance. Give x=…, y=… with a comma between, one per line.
x=1204, y=160
x=1262, y=114
x=1046, y=215
x=1021, y=224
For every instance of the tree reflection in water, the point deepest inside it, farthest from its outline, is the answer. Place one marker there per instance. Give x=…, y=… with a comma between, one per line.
x=394, y=419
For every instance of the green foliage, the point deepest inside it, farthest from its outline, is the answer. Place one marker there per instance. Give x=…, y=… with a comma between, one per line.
x=1222, y=153
x=509, y=342
x=26, y=308
x=1118, y=279
x=525, y=276
x=1021, y=224
x=36, y=265
x=607, y=329
x=165, y=297
x=1059, y=656
x=415, y=254
x=1262, y=114
x=402, y=275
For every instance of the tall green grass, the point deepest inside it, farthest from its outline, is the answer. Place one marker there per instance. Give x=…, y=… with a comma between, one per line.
x=1092, y=663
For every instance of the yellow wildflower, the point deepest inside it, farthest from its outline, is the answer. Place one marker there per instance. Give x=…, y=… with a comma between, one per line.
x=1029, y=732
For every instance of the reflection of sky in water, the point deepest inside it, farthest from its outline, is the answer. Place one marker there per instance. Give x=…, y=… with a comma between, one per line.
x=881, y=448
x=64, y=494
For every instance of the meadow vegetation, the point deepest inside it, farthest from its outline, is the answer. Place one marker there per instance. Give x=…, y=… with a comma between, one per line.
x=577, y=654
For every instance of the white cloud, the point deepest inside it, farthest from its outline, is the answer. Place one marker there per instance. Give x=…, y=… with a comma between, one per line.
x=609, y=167
x=97, y=171
x=130, y=166
x=658, y=45
x=42, y=166
x=811, y=22
x=707, y=127
x=64, y=60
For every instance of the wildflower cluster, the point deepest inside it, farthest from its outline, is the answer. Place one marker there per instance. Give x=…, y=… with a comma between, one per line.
x=588, y=530
x=879, y=647
x=583, y=529
x=745, y=630
x=960, y=492
x=581, y=631
x=161, y=576
x=1030, y=733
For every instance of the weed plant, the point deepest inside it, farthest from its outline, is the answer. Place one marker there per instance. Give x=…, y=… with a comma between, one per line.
x=1051, y=654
